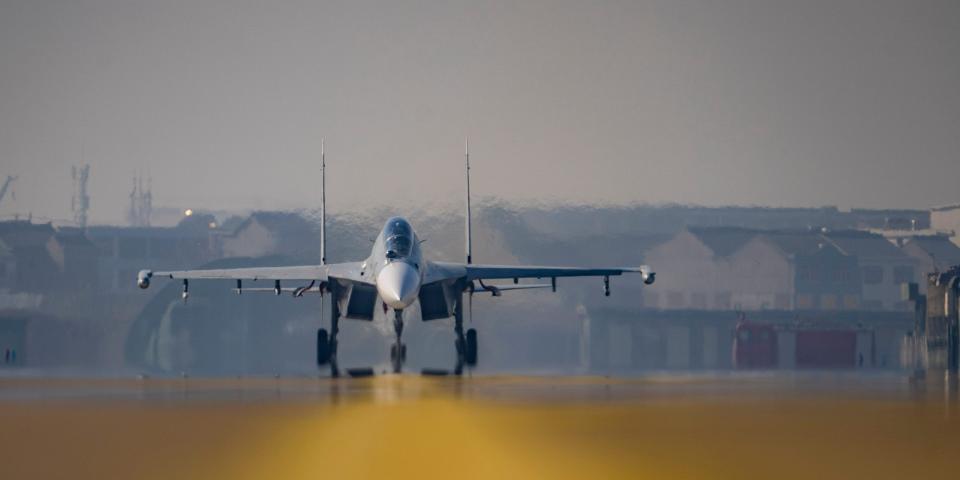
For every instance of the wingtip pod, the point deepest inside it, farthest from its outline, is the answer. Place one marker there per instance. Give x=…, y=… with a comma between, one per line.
x=648, y=275
x=143, y=278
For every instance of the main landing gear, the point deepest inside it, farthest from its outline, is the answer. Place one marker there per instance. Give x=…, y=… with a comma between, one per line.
x=327, y=351
x=466, y=345
x=398, y=351
x=327, y=342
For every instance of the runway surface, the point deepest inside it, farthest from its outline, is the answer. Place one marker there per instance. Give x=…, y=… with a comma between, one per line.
x=658, y=426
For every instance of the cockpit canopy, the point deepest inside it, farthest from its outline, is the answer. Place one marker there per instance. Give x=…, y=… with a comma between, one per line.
x=398, y=238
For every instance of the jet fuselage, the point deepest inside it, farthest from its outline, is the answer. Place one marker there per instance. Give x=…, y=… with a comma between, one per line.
x=396, y=264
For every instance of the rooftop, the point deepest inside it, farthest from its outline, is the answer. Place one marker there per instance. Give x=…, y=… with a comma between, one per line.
x=937, y=246
x=863, y=244
x=797, y=242
x=723, y=241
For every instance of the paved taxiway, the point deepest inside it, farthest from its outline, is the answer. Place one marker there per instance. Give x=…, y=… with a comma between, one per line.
x=753, y=426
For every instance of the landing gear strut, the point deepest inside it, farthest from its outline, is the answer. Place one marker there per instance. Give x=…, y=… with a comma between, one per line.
x=466, y=345
x=398, y=351
x=327, y=342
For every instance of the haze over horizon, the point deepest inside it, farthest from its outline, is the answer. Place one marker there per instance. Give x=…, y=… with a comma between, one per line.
x=851, y=103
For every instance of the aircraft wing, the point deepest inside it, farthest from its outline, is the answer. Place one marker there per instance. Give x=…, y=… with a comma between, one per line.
x=346, y=271
x=444, y=271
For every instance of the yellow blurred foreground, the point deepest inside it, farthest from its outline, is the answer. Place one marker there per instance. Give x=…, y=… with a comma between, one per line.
x=496, y=427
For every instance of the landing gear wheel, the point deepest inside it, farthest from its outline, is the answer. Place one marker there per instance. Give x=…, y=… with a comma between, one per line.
x=470, y=353
x=398, y=353
x=323, y=347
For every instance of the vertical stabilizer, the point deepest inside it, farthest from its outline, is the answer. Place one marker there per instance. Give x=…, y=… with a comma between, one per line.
x=468, y=233
x=323, y=204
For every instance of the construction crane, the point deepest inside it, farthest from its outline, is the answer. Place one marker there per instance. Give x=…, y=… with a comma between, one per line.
x=6, y=186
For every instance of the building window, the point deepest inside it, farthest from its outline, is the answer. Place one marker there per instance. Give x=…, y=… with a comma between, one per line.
x=872, y=275
x=851, y=302
x=902, y=274
x=842, y=275
x=828, y=301
x=675, y=299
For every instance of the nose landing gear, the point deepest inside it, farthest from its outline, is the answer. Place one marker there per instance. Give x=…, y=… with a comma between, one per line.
x=398, y=351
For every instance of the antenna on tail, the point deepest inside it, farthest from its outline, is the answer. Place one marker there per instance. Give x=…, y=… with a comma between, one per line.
x=469, y=242
x=323, y=205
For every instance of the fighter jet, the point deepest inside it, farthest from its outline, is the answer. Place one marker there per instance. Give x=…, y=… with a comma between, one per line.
x=394, y=276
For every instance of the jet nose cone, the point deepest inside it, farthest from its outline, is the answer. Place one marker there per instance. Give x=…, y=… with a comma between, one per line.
x=398, y=284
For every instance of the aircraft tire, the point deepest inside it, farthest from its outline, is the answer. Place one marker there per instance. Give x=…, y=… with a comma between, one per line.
x=323, y=347
x=471, y=347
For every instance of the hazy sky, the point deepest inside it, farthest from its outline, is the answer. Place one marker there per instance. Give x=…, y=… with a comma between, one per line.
x=813, y=102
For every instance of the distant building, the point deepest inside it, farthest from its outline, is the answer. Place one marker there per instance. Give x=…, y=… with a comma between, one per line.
x=947, y=219
x=883, y=267
x=271, y=233
x=36, y=259
x=932, y=253
x=691, y=268
x=8, y=266
x=13, y=340
x=34, y=268
x=75, y=258
x=195, y=241
x=810, y=273
x=869, y=219
x=729, y=268
x=623, y=340
x=125, y=250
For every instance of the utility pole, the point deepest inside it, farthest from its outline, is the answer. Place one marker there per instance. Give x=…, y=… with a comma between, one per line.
x=81, y=200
